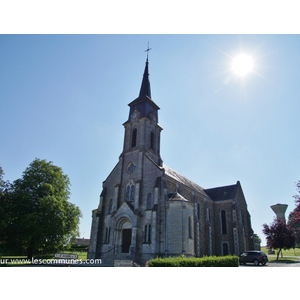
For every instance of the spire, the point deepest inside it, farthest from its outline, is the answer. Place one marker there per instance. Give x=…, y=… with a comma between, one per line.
x=143, y=104
x=145, y=88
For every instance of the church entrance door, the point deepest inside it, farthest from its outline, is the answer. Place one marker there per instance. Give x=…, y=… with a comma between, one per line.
x=126, y=240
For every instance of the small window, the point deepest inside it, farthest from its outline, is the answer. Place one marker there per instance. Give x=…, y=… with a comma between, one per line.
x=107, y=234
x=131, y=167
x=147, y=234
x=152, y=140
x=134, y=137
x=149, y=201
x=190, y=227
x=198, y=211
x=223, y=222
x=208, y=214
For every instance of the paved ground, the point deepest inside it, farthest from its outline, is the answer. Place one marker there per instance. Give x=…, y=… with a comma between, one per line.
x=281, y=263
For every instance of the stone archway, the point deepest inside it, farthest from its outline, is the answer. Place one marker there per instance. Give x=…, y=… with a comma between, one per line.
x=124, y=237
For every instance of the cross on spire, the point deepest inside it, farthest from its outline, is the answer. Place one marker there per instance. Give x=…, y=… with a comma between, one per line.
x=148, y=49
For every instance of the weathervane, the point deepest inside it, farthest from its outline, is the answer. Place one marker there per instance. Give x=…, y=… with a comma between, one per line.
x=148, y=49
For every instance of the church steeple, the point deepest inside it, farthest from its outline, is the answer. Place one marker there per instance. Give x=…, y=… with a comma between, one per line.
x=142, y=131
x=145, y=87
x=144, y=106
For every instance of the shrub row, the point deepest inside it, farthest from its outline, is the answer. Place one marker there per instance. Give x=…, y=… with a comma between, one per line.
x=207, y=261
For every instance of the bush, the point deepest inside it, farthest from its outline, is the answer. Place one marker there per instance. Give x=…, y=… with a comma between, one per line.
x=207, y=261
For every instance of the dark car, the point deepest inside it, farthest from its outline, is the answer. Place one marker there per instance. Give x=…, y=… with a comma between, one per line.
x=255, y=257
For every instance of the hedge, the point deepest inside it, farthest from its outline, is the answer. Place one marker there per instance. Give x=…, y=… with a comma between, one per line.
x=207, y=261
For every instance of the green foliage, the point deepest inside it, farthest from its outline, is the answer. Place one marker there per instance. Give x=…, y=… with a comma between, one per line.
x=288, y=254
x=1, y=179
x=279, y=235
x=257, y=239
x=207, y=261
x=36, y=215
x=294, y=216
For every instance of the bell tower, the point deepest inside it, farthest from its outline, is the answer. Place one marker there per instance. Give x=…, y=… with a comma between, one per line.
x=142, y=131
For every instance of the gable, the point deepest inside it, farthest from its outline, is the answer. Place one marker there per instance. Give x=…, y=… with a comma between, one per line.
x=124, y=211
x=222, y=193
x=115, y=173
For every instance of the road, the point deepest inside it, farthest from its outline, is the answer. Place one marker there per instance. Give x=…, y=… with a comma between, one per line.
x=280, y=263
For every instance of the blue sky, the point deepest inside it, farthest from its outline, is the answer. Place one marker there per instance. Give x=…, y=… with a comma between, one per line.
x=64, y=98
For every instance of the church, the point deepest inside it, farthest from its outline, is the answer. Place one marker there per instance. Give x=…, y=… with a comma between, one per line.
x=147, y=209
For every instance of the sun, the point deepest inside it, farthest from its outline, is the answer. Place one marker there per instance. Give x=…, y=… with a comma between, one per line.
x=242, y=64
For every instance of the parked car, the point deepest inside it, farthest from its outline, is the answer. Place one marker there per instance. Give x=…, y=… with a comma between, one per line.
x=255, y=257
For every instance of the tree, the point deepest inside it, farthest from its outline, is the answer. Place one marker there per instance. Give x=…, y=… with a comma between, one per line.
x=5, y=213
x=279, y=235
x=294, y=217
x=36, y=210
x=1, y=179
x=257, y=241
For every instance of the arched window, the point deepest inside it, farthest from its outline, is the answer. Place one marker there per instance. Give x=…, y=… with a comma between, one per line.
x=152, y=140
x=149, y=201
x=190, y=227
x=208, y=214
x=198, y=211
x=134, y=137
x=107, y=234
x=147, y=234
x=223, y=222
x=130, y=192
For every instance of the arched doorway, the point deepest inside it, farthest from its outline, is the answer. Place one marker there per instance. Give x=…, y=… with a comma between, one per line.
x=124, y=226
x=126, y=239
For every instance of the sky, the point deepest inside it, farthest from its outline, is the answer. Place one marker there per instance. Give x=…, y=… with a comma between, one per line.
x=64, y=98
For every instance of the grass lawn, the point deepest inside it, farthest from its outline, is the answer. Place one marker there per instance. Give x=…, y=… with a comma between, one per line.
x=285, y=254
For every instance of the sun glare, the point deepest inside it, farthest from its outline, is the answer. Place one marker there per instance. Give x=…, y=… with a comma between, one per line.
x=242, y=64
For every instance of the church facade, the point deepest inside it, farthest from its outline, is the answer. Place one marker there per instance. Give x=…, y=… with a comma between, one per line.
x=147, y=209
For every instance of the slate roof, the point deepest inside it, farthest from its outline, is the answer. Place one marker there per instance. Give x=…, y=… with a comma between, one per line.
x=145, y=87
x=178, y=177
x=216, y=194
x=144, y=104
x=176, y=197
x=223, y=192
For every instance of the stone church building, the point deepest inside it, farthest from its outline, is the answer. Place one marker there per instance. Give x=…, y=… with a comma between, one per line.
x=147, y=209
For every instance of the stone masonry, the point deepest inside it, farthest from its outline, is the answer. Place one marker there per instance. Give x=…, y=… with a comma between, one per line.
x=146, y=209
